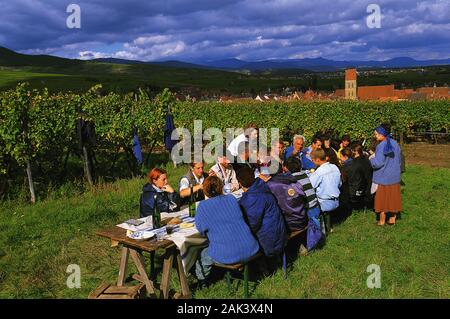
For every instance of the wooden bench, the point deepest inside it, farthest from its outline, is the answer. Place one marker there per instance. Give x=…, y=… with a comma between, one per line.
x=239, y=267
x=245, y=268
x=107, y=291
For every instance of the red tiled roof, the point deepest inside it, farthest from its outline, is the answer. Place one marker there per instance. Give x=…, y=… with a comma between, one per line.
x=375, y=92
x=404, y=93
x=436, y=90
x=339, y=92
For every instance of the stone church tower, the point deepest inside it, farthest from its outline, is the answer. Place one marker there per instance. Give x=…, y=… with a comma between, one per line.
x=350, y=84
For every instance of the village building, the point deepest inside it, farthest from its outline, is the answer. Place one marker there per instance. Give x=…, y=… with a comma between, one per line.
x=350, y=84
x=376, y=92
x=387, y=92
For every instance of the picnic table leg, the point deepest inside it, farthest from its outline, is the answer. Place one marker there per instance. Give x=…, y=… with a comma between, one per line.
x=182, y=276
x=123, y=266
x=167, y=267
x=246, y=281
x=152, y=266
x=228, y=277
x=139, y=262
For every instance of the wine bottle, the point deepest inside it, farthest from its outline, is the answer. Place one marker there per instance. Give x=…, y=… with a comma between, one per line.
x=192, y=203
x=156, y=214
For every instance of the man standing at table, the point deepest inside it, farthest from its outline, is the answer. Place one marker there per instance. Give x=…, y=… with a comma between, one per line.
x=250, y=135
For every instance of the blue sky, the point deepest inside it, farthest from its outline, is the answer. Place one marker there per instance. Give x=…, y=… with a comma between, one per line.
x=251, y=30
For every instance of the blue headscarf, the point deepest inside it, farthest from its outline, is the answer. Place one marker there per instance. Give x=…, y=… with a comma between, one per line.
x=388, y=149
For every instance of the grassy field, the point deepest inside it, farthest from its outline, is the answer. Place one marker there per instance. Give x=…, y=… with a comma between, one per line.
x=126, y=78
x=9, y=78
x=37, y=243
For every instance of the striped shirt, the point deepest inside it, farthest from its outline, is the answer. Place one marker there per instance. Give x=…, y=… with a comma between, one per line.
x=303, y=179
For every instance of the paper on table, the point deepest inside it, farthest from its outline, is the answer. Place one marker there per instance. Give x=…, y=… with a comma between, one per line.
x=147, y=225
x=148, y=221
x=188, y=240
x=238, y=193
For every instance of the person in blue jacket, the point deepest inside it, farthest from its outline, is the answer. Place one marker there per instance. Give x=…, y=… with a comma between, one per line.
x=386, y=164
x=220, y=218
x=167, y=199
x=296, y=149
x=262, y=212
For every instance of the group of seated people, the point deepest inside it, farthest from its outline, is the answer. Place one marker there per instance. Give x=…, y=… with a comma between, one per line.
x=306, y=183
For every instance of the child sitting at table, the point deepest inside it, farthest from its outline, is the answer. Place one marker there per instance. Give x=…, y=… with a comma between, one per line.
x=219, y=218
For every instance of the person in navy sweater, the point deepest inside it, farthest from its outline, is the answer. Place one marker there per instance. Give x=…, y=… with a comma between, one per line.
x=220, y=218
x=263, y=213
x=386, y=164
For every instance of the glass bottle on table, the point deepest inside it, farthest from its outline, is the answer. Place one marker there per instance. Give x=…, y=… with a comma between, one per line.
x=192, y=202
x=156, y=214
x=227, y=188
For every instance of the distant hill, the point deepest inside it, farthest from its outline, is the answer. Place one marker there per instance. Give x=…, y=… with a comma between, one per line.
x=171, y=63
x=233, y=64
x=14, y=59
x=320, y=64
x=11, y=58
x=179, y=64
x=116, y=61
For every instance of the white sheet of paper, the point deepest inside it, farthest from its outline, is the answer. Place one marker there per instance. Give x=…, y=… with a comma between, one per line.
x=148, y=221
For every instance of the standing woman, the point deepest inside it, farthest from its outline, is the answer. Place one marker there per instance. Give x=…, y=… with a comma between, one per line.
x=386, y=166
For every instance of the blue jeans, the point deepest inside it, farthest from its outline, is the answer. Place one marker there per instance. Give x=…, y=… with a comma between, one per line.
x=203, y=265
x=328, y=205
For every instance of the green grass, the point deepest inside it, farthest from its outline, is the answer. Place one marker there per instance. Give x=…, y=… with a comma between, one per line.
x=9, y=78
x=126, y=78
x=38, y=242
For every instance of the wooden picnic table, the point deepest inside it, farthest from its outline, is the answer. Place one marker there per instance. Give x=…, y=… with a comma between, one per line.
x=135, y=248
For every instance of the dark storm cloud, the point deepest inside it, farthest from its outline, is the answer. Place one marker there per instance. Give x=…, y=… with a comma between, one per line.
x=216, y=29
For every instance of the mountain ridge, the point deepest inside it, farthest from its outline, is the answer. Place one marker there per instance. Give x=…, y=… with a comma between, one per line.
x=11, y=58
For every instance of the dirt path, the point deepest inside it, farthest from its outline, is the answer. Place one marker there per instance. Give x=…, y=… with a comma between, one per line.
x=434, y=155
